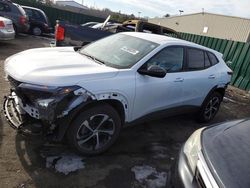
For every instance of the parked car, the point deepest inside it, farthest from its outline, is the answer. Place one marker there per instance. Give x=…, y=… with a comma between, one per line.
x=88, y=94
x=15, y=13
x=216, y=156
x=67, y=34
x=89, y=24
x=7, y=31
x=39, y=22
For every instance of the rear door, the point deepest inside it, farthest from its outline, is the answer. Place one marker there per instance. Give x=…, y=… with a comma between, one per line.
x=199, y=78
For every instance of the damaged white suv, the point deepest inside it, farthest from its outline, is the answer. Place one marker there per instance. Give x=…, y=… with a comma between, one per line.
x=87, y=94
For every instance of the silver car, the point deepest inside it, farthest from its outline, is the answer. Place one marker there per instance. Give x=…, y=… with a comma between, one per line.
x=7, y=31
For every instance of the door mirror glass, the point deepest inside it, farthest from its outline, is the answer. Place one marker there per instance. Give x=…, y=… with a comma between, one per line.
x=154, y=71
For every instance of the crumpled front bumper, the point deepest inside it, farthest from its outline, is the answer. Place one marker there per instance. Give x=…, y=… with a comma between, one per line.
x=56, y=114
x=13, y=111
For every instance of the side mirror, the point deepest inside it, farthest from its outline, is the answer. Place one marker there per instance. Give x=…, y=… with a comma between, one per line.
x=154, y=71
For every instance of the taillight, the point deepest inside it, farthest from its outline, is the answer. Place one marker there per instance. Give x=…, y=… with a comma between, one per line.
x=2, y=24
x=59, y=33
x=22, y=20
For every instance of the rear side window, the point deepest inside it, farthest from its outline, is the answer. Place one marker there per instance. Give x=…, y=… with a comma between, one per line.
x=195, y=59
x=207, y=61
x=213, y=58
x=38, y=16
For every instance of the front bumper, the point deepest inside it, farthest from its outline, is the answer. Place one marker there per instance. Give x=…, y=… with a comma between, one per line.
x=55, y=113
x=182, y=174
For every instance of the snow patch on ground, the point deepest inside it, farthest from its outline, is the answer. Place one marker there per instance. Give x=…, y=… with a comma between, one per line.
x=147, y=176
x=159, y=151
x=65, y=164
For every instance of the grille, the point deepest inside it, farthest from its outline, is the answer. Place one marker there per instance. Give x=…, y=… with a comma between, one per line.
x=199, y=179
x=14, y=83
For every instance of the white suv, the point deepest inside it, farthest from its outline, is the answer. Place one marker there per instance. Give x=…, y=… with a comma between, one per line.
x=87, y=94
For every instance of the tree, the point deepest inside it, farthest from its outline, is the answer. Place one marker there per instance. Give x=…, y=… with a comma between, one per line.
x=167, y=15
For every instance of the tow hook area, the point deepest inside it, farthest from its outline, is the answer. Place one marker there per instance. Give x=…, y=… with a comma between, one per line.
x=12, y=112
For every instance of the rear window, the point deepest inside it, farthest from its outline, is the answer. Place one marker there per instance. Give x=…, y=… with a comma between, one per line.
x=213, y=58
x=20, y=9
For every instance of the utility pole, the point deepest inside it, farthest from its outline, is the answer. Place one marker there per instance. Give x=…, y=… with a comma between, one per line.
x=139, y=13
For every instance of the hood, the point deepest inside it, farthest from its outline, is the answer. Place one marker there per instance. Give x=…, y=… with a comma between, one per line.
x=226, y=150
x=59, y=66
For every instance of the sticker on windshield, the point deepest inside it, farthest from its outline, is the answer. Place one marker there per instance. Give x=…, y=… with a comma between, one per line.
x=129, y=50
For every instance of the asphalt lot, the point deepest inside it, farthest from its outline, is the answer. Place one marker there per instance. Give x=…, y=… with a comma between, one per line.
x=144, y=149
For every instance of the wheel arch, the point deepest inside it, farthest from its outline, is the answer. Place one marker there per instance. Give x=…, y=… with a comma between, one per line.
x=64, y=123
x=217, y=88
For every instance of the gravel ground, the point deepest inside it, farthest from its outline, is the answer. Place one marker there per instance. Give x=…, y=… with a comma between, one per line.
x=141, y=157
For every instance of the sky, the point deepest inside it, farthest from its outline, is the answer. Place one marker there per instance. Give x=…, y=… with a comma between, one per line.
x=158, y=8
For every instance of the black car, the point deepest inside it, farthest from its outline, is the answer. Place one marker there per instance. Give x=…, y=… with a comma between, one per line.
x=39, y=22
x=217, y=156
x=15, y=13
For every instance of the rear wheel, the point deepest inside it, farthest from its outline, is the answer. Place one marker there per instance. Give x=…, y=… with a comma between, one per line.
x=94, y=130
x=210, y=107
x=37, y=31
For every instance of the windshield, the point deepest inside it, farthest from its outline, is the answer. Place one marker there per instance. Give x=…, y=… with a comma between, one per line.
x=119, y=50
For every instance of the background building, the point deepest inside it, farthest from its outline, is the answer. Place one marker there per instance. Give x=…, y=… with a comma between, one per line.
x=208, y=24
x=71, y=4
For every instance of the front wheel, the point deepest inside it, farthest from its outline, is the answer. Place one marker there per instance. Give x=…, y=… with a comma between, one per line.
x=94, y=131
x=210, y=107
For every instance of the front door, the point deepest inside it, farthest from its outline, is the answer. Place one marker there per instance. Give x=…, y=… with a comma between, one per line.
x=156, y=94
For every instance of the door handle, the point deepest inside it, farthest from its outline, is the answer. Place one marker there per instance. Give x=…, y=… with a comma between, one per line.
x=179, y=80
x=212, y=76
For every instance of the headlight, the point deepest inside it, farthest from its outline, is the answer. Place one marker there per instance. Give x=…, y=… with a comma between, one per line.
x=192, y=148
x=50, y=89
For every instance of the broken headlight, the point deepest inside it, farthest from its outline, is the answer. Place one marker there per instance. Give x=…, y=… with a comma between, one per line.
x=48, y=100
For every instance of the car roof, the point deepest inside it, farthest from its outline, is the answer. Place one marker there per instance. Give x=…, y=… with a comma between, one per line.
x=32, y=8
x=161, y=39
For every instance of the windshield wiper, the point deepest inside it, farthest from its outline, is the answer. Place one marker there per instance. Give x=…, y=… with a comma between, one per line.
x=93, y=58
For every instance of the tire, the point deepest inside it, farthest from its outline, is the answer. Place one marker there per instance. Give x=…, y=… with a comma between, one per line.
x=86, y=130
x=210, y=107
x=37, y=31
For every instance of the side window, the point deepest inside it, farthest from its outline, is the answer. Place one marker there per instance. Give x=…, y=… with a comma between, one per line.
x=195, y=59
x=170, y=58
x=212, y=58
